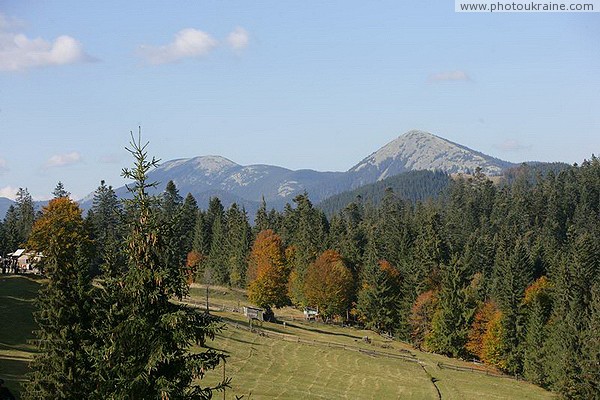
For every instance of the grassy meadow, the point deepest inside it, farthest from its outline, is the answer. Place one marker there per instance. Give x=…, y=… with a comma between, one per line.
x=17, y=294
x=303, y=360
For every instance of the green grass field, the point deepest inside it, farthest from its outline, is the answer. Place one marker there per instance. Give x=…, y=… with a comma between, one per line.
x=303, y=360
x=17, y=294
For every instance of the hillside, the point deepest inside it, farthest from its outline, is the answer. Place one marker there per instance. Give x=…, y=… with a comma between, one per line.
x=300, y=360
x=413, y=186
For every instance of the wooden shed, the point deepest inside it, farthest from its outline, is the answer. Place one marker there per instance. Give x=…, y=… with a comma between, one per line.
x=254, y=313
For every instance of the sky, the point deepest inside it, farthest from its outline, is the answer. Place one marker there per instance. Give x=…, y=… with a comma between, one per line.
x=311, y=84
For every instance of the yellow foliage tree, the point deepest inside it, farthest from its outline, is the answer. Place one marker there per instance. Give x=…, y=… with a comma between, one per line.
x=267, y=271
x=492, y=350
x=479, y=327
x=59, y=232
x=328, y=284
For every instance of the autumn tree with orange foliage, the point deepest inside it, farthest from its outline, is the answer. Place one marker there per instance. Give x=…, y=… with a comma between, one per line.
x=479, y=327
x=192, y=263
x=267, y=271
x=328, y=284
x=493, y=350
x=421, y=315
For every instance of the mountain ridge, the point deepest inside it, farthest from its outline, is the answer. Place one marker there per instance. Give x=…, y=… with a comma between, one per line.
x=211, y=175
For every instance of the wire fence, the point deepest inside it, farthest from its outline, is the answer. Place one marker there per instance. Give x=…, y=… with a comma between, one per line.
x=293, y=338
x=477, y=370
x=407, y=356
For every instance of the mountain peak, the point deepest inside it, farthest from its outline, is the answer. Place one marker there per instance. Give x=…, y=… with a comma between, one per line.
x=213, y=164
x=420, y=150
x=209, y=164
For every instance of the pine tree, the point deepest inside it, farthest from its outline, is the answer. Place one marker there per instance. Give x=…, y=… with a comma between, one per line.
x=189, y=213
x=106, y=220
x=25, y=214
x=514, y=274
x=237, y=244
x=451, y=321
x=60, y=191
x=62, y=368
x=144, y=340
x=379, y=297
x=10, y=227
x=591, y=349
x=539, y=306
x=305, y=228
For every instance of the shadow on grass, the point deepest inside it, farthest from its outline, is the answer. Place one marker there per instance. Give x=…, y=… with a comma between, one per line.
x=323, y=332
x=17, y=298
x=13, y=372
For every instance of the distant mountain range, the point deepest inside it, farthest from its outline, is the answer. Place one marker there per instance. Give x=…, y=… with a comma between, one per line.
x=209, y=176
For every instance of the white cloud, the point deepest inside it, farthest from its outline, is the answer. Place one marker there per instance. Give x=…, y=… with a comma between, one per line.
x=3, y=166
x=188, y=43
x=449, y=76
x=18, y=52
x=511, y=145
x=61, y=160
x=9, y=192
x=238, y=39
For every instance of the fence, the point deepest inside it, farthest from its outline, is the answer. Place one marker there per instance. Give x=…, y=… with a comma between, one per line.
x=296, y=339
x=476, y=370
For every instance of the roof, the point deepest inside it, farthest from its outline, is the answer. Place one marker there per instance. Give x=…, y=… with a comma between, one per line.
x=18, y=253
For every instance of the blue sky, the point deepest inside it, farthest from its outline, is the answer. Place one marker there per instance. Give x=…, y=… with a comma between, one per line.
x=298, y=84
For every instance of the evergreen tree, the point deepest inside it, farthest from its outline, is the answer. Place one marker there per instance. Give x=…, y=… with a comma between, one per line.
x=452, y=319
x=379, y=297
x=514, y=274
x=237, y=244
x=189, y=213
x=591, y=349
x=60, y=191
x=539, y=306
x=10, y=228
x=62, y=367
x=144, y=340
x=105, y=218
x=25, y=215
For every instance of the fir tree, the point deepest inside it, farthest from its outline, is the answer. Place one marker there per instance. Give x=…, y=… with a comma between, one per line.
x=62, y=368
x=60, y=191
x=451, y=321
x=379, y=297
x=106, y=220
x=144, y=344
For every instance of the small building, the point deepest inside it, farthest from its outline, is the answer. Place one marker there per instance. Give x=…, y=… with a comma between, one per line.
x=23, y=261
x=311, y=313
x=254, y=313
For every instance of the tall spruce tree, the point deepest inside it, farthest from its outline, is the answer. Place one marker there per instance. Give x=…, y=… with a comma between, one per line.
x=25, y=213
x=143, y=347
x=62, y=368
x=237, y=244
x=106, y=220
x=60, y=191
x=451, y=320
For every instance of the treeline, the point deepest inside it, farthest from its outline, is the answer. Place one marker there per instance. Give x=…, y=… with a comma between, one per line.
x=507, y=274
